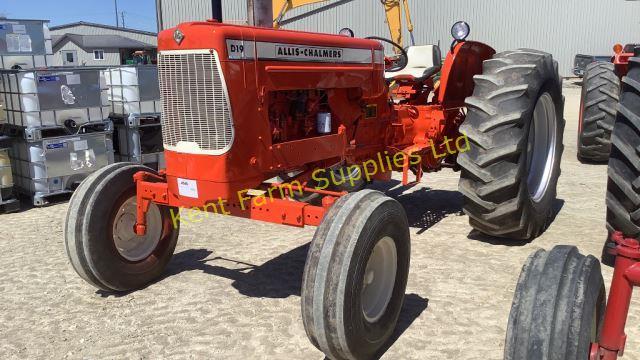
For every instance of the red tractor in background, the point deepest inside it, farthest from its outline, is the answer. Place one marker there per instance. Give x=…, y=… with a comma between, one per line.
x=560, y=309
x=286, y=126
x=598, y=110
x=599, y=102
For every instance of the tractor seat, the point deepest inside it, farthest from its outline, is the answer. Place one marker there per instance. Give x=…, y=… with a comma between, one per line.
x=424, y=62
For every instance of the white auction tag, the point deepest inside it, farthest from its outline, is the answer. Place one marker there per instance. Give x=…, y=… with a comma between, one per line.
x=188, y=188
x=80, y=145
x=73, y=79
x=19, y=29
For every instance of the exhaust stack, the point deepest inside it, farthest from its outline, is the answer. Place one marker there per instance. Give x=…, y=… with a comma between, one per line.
x=260, y=13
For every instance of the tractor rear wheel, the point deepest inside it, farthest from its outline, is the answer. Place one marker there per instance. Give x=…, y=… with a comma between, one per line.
x=99, y=237
x=558, y=307
x=623, y=188
x=598, y=103
x=515, y=127
x=356, y=275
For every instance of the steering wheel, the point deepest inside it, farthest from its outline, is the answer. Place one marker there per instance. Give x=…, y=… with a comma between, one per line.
x=397, y=62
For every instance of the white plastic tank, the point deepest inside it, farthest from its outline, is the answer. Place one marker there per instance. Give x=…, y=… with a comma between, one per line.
x=6, y=178
x=26, y=44
x=3, y=113
x=50, y=98
x=133, y=90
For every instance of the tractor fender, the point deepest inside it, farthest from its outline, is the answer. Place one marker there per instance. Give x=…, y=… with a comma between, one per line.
x=463, y=62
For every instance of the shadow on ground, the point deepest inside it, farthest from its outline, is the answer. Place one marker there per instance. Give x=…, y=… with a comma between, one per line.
x=425, y=207
x=278, y=278
x=281, y=277
x=593, y=162
x=414, y=305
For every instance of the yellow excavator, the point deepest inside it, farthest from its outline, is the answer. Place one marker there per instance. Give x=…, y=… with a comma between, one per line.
x=393, y=10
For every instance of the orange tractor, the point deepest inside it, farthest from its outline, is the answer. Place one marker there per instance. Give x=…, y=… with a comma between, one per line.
x=288, y=127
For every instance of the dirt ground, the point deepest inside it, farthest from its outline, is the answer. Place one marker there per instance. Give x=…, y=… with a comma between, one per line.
x=232, y=291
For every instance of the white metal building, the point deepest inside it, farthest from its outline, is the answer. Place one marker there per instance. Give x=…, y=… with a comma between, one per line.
x=563, y=28
x=92, y=44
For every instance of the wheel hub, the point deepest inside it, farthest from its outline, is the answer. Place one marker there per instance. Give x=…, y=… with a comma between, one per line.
x=129, y=245
x=541, y=147
x=379, y=279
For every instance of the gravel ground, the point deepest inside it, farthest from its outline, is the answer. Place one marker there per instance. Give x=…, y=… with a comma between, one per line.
x=232, y=291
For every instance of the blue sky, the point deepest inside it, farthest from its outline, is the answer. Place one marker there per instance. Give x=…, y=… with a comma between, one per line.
x=139, y=14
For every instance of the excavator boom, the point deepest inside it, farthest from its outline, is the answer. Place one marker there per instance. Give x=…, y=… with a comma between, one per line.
x=281, y=7
x=393, y=11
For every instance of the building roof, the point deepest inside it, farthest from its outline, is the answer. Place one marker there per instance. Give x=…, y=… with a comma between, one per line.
x=85, y=23
x=2, y=18
x=100, y=41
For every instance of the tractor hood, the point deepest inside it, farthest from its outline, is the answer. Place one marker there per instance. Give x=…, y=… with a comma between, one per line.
x=233, y=42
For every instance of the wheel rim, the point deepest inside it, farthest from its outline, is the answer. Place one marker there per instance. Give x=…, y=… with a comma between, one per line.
x=594, y=325
x=541, y=149
x=131, y=246
x=379, y=279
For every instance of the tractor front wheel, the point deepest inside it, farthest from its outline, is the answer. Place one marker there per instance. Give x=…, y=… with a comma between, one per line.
x=515, y=126
x=558, y=307
x=99, y=232
x=356, y=276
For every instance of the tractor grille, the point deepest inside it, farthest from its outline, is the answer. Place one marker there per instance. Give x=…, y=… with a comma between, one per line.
x=196, y=114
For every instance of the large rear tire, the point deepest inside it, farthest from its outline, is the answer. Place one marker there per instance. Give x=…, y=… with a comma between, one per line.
x=623, y=188
x=558, y=307
x=598, y=106
x=515, y=126
x=99, y=237
x=356, y=275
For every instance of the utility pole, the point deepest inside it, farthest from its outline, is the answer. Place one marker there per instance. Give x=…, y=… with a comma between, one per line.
x=123, y=25
x=117, y=20
x=159, y=15
x=216, y=7
x=260, y=13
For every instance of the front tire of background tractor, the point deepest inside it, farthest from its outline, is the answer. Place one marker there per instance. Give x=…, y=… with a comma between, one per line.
x=515, y=127
x=623, y=188
x=558, y=307
x=356, y=275
x=99, y=237
x=598, y=106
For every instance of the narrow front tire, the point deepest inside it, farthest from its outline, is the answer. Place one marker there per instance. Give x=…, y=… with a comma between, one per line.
x=101, y=243
x=558, y=307
x=356, y=275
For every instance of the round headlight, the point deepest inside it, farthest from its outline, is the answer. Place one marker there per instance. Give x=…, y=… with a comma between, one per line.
x=178, y=36
x=347, y=32
x=460, y=30
x=618, y=48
